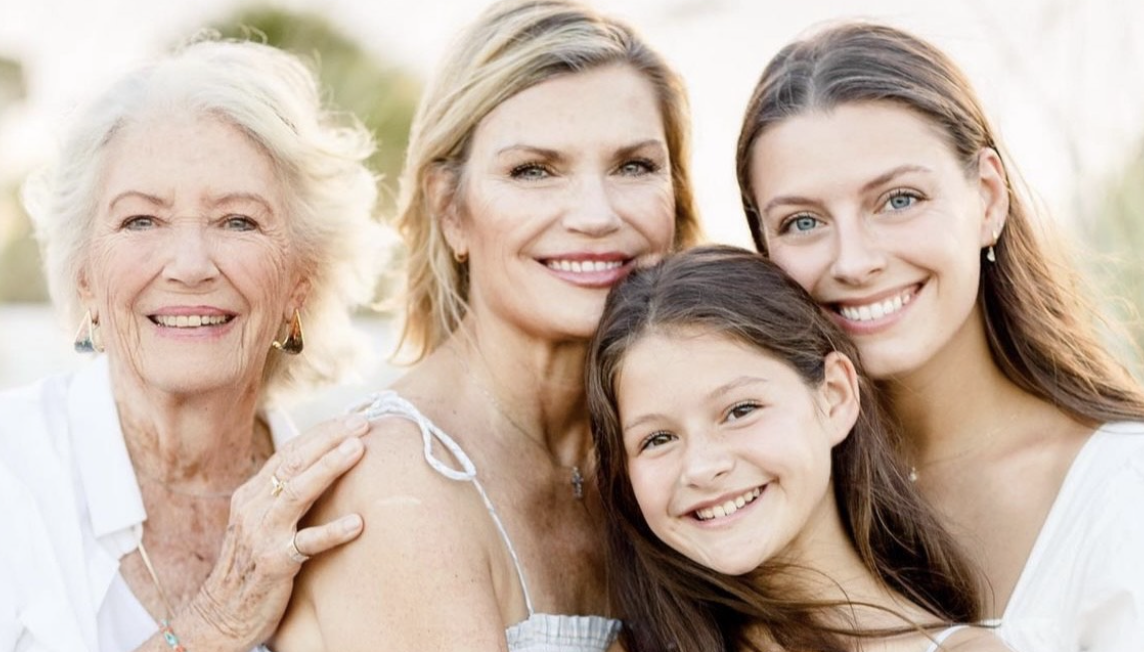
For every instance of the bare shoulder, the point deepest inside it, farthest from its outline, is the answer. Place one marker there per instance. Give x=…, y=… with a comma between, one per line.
x=422, y=557
x=977, y=639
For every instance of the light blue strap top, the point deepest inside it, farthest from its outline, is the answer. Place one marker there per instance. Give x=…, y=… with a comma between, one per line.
x=388, y=403
x=941, y=637
x=539, y=632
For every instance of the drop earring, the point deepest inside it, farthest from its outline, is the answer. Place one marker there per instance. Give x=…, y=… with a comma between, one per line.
x=991, y=255
x=292, y=343
x=87, y=337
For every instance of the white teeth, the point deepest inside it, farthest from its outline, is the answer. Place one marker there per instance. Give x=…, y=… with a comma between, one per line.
x=730, y=507
x=190, y=321
x=582, y=266
x=878, y=309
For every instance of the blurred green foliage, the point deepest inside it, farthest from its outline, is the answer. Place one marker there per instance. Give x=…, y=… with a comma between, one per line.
x=382, y=96
x=1118, y=233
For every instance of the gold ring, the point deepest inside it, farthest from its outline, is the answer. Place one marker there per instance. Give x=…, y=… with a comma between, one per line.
x=277, y=486
x=296, y=555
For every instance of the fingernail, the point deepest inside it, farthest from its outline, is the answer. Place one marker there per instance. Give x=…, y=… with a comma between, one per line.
x=351, y=523
x=355, y=423
x=349, y=446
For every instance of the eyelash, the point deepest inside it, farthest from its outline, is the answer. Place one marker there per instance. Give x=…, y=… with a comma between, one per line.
x=649, y=166
x=901, y=192
x=520, y=171
x=648, y=442
x=788, y=225
x=130, y=224
x=742, y=404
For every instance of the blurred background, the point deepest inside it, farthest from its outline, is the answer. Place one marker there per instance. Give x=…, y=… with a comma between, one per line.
x=1063, y=80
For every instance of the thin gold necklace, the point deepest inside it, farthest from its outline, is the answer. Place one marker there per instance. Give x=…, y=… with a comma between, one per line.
x=576, y=479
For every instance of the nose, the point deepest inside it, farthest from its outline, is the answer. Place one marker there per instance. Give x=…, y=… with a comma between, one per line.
x=190, y=256
x=858, y=256
x=707, y=459
x=592, y=210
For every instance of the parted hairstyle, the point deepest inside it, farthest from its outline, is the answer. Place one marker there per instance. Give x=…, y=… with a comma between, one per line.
x=670, y=602
x=318, y=155
x=1038, y=319
x=512, y=46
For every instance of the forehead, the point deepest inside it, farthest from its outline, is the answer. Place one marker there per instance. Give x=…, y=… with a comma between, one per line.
x=188, y=156
x=612, y=104
x=846, y=145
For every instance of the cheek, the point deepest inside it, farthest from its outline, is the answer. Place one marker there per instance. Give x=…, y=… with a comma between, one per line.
x=806, y=265
x=651, y=210
x=261, y=271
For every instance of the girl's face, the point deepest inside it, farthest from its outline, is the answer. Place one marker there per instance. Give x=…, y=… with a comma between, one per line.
x=567, y=187
x=868, y=208
x=728, y=449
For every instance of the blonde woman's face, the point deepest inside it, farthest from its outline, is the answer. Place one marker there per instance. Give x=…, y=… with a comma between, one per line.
x=190, y=269
x=567, y=188
x=869, y=209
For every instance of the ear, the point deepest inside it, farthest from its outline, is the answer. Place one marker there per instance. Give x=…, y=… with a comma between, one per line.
x=441, y=189
x=297, y=297
x=838, y=396
x=86, y=294
x=994, y=190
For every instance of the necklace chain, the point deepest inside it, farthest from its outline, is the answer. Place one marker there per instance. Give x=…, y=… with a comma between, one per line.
x=576, y=479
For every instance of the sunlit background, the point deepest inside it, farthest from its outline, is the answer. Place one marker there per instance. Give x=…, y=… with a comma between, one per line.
x=1064, y=80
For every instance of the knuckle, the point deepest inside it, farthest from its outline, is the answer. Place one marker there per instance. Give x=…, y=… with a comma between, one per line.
x=291, y=464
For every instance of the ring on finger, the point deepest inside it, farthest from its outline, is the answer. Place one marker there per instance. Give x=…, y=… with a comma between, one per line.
x=276, y=485
x=296, y=555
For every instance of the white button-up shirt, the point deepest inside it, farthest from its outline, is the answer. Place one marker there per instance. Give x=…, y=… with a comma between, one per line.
x=71, y=508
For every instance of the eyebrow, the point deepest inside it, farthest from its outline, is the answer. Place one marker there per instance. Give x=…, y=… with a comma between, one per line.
x=625, y=150
x=725, y=388
x=866, y=187
x=228, y=198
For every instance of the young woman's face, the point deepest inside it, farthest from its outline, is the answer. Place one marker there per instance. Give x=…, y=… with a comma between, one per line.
x=868, y=208
x=566, y=188
x=728, y=449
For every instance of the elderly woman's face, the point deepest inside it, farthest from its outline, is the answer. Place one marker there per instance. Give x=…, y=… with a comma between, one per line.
x=567, y=187
x=190, y=267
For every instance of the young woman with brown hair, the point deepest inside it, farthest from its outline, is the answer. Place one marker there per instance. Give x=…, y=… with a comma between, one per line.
x=756, y=498
x=871, y=175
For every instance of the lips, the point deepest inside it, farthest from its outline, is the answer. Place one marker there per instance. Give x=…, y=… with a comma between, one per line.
x=190, y=321
x=727, y=507
x=590, y=270
x=863, y=312
x=581, y=266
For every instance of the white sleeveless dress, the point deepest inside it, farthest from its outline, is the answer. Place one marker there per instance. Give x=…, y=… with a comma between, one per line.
x=540, y=632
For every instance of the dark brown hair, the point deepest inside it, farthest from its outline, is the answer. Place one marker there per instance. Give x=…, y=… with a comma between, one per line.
x=671, y=602
x=1038, y=321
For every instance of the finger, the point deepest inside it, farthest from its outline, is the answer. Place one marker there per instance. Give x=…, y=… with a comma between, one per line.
x=300, y=492
x=301, y=452
x=318, y=539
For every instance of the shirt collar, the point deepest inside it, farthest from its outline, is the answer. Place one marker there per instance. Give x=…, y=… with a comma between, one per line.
x=109, y=481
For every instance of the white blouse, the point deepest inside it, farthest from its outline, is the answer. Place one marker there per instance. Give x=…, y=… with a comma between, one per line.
x=71, y=509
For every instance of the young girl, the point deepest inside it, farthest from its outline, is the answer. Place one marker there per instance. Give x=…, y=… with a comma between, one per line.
x=871, y=175
x=755, y=498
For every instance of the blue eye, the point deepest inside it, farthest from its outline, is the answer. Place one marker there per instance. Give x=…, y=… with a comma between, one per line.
x=900, y=200
x=638, y=167
x=530, y=172
x=138, y=223
x=239, y=223
x=801, y=224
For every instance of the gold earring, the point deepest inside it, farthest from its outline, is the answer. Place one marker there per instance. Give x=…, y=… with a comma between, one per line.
x=87, y=337
x=991, y=255
x=293, y=343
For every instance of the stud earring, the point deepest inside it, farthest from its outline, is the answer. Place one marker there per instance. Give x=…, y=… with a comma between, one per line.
x=460, y=257
x=292, y=343
x=991, y=255
x=87, y=337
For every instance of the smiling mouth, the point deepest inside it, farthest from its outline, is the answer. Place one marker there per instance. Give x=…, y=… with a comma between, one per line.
x=190, y=321
x=728, y=508
x=877, y=309
x=584, y=266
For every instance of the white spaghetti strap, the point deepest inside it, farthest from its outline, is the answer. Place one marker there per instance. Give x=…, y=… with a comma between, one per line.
x=388, y=403
x=944, y=634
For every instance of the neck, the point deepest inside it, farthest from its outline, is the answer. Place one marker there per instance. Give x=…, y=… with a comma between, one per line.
x=959, y=401
x=196, y=443
x=538, y=387
x=829, y=569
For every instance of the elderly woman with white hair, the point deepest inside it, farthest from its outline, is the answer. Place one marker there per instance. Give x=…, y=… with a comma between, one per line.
x=203, y=209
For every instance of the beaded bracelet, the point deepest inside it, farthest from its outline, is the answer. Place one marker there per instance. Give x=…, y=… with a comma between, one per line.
x=169, y=636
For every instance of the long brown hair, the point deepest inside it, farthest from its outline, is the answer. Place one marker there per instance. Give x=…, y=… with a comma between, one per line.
x=512, y=46
x=1037, y=319
x=671, y=602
